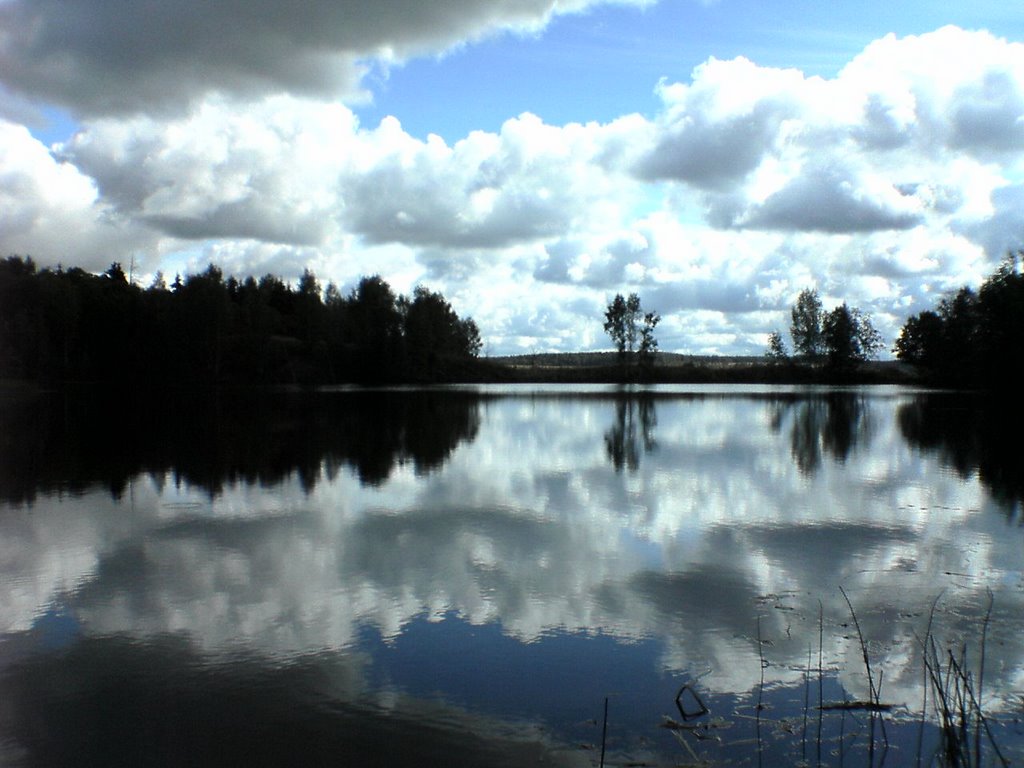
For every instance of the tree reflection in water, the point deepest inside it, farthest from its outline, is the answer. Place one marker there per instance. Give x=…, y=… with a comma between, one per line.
x=534, y=574
x=70, y=442
x=829, y=424
x=632, y=433
x=972, y=435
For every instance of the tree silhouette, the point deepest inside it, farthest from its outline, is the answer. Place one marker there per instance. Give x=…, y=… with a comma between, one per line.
x=648, y=344
x=806, y=326
x=776, y=351
x=627, y=324
x=434, y=332
x=972, y=338
x=845, y=335
x=850, y=337
x=921, y=339
x=1001, y=325
x=621, y=322
x=977, y=436
x=375, y=330
x=70, y=325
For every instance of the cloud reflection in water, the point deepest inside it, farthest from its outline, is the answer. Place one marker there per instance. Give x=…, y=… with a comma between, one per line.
x=526, y=521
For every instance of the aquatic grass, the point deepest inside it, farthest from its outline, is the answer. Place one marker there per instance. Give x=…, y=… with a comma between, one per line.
x=925, y=681
x=957, y=700
x=874, y=705
x=951, y=711
x=760, y=690
x=604, y=730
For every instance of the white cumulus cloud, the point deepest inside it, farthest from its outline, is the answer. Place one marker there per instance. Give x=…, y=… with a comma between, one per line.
x=886, y=185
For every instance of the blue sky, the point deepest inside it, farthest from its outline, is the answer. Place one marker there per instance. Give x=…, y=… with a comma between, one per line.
x=527, y=159
x=606, y=63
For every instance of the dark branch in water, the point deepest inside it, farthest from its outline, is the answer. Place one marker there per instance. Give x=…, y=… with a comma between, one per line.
x=857, y=706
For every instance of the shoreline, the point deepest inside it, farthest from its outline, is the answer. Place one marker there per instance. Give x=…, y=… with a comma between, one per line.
x=564, y=368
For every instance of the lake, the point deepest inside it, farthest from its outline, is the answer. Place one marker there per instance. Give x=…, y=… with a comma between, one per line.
x=492, y=576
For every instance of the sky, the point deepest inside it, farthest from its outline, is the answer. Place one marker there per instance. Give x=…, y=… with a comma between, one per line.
x=529, y=159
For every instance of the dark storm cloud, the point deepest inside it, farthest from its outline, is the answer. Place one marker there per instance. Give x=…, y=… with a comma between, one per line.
x=120, y=57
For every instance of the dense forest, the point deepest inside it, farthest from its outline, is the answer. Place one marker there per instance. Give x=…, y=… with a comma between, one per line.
x=68, y=325
x=972, y=338
x=60, y=325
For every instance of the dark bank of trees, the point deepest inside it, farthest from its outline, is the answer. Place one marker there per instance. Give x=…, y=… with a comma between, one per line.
x=70, y=325
x=972, y=338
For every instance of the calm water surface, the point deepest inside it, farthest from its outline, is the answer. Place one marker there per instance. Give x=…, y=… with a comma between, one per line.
x=464, y=576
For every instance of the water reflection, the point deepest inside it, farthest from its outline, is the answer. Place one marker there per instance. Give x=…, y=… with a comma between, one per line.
x=632, y=432
x=972, y=435
x=831, y=424
x=519, y=574
x=69, y=442
x=111, y=702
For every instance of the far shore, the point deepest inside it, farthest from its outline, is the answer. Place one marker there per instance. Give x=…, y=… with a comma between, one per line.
x=671, y=368
x=606, y=368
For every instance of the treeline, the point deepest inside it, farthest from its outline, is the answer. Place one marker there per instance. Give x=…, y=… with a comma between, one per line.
x=841, y=338
x=972, y=338
x=60, y=325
